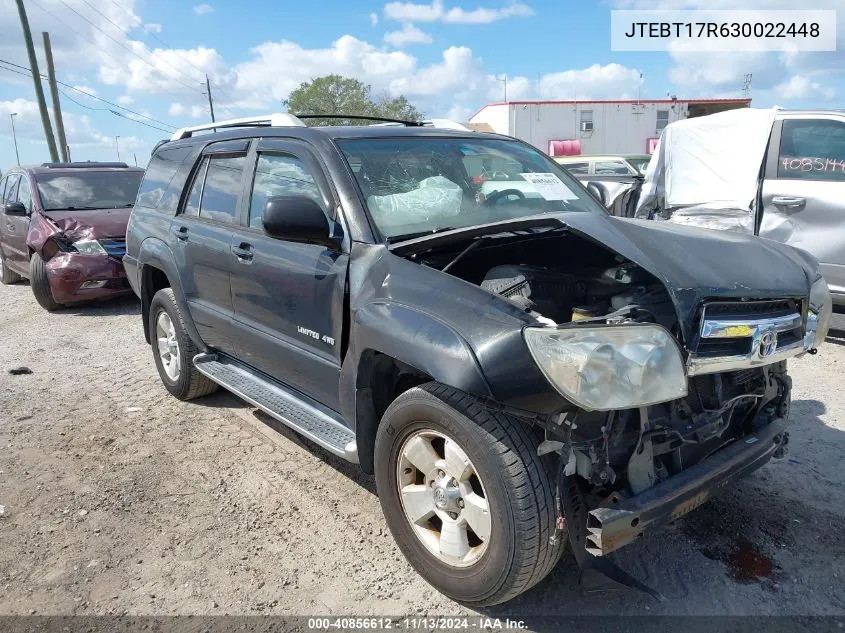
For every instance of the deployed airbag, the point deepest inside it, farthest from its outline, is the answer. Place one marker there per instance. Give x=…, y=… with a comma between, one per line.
x=436, y=198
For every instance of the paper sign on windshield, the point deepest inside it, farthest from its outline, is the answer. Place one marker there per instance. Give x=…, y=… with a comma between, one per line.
x=550, y=186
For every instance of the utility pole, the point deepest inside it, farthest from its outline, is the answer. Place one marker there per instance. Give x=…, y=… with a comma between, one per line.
x=505, y=79
x=135, y=156
x=12, y=116
x=210, y=102
x=36, y=80
x=117, y=147
x=54, y=93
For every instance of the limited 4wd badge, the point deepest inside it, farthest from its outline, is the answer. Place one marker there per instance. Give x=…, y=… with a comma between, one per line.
x=315, y=335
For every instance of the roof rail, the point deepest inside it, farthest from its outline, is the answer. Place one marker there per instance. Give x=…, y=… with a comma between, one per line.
x=84, y=164
x=277, y=119
x=447, y=124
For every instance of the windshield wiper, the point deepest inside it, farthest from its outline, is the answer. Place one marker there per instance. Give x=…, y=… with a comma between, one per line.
x=72, y=209
x=410, y=236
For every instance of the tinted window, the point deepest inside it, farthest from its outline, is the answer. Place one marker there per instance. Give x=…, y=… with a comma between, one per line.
x=615, y=168
x=192, y=204
x=277, y=175
x=159, y=174
x=222, y=186
x=577, y=168
x=3, y=184
x=812, y=150
x=25, y=194
x=88, y=189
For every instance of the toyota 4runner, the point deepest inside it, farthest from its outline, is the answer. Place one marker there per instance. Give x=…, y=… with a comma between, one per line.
x=455, y=313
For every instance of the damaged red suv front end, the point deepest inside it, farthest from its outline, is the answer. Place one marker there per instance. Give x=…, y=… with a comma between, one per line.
x=74, y=228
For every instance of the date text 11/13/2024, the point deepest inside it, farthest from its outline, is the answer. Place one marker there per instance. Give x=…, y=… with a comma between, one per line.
x=417, y=623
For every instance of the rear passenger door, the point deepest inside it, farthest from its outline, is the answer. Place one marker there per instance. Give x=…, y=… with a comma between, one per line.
x=288, y=296
x=201, y=239
x=803, y=192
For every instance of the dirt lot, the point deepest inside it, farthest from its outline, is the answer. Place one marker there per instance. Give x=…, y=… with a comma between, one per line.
x=119, y=498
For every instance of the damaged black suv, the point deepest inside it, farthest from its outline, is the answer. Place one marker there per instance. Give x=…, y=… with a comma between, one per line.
x=459, y=316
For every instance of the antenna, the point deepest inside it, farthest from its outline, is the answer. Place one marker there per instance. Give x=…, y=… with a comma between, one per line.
x=746, y=86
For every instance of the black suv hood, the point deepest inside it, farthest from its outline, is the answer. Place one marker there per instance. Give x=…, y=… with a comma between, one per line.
x=694, y=264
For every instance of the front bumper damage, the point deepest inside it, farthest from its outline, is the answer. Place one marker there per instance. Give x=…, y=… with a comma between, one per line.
x=78, y=277
x=612, y=527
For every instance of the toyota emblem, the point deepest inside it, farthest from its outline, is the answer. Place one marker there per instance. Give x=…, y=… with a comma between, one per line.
x=768, y=343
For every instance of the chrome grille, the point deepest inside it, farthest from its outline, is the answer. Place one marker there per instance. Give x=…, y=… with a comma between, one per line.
x=115, y=247
x=740, y=334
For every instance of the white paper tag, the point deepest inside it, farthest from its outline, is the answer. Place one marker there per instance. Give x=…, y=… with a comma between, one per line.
x=549, y=186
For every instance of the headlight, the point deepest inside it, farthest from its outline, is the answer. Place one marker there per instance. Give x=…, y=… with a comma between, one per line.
x=821, y=309
x=90, y=247
x=610, y=367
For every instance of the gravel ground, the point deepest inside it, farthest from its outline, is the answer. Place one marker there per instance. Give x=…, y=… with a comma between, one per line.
x=120, y=499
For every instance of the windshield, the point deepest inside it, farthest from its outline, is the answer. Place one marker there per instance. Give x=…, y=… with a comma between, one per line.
x=88, y=189
x=418, y=185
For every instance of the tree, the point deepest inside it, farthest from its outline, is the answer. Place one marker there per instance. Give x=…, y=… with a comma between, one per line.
x=334, y=94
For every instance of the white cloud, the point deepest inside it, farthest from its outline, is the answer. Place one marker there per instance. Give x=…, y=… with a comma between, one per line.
x=801, y=87
x=124, y=100
x=437, y=12
x=176, y=109
x=86, y=89
x=409, y=34
x=202, y=9
x=611, y=81
x=198, y=112
x=373, y=18
x=152, y=27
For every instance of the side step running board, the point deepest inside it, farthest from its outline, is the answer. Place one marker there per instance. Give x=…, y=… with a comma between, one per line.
x=284, y=404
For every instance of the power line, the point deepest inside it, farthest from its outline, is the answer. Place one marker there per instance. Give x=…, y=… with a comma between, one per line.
x=122, y=45
x=140, y=23
x=88, y=94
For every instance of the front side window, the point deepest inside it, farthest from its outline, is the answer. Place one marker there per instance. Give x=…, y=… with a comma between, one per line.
x=279, y=175
x=222, y=186
x=422, y=184
x=88, y=189
x=25, y=193
x=11, y=193
x=612, y=168
x=812, y=150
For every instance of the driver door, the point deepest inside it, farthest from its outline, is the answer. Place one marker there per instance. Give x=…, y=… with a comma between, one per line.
x=15, y=227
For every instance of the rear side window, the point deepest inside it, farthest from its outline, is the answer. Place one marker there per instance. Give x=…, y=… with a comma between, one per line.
x=159, y=190
x=219, y=201
x=577, y=168
x=812, y=149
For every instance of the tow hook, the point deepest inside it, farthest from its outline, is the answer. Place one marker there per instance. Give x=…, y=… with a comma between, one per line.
x=597, y=573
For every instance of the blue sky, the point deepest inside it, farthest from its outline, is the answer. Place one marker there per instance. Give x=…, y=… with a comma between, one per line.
x=148, y=58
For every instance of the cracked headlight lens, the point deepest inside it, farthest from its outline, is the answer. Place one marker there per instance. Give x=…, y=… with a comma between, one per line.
x=610, y=367
x=90, y=247
x=821, y=306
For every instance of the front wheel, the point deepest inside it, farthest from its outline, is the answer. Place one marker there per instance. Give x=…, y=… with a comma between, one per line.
x=174, y=350
x=40, y=284
x=466, y=497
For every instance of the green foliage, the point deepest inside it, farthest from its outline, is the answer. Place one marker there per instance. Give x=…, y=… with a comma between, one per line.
x=335, y=94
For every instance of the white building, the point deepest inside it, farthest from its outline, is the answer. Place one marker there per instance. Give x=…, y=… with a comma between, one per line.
x=567, y=128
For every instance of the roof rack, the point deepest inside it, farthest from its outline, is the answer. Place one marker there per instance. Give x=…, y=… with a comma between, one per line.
x=446, y=124
x=84, y=164
x=277, y=119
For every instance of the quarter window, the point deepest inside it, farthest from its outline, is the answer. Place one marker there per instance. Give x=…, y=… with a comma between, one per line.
x=812, y=150
x=279, y=175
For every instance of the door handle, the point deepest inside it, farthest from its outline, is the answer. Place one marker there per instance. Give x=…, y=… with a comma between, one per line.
x=244, y=252
x=181, y=233
x=789, y=202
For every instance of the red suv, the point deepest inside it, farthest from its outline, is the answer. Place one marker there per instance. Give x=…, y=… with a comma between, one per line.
x=64, y=228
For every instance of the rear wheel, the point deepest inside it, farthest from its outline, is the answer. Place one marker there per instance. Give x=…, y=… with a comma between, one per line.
x=7, y=275
x=174, y=350
x=40, y=284
x=468, y=501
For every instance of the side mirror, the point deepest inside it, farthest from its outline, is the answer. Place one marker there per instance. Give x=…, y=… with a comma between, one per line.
x=296, y=219
x=15, y=208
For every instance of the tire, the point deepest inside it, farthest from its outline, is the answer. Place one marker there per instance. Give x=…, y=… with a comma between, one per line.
x=40, y=284
x=516, y=485
x=186, y=383
x=7, y=275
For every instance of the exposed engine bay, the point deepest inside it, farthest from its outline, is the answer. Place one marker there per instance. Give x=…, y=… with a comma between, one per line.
x=620, y=453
